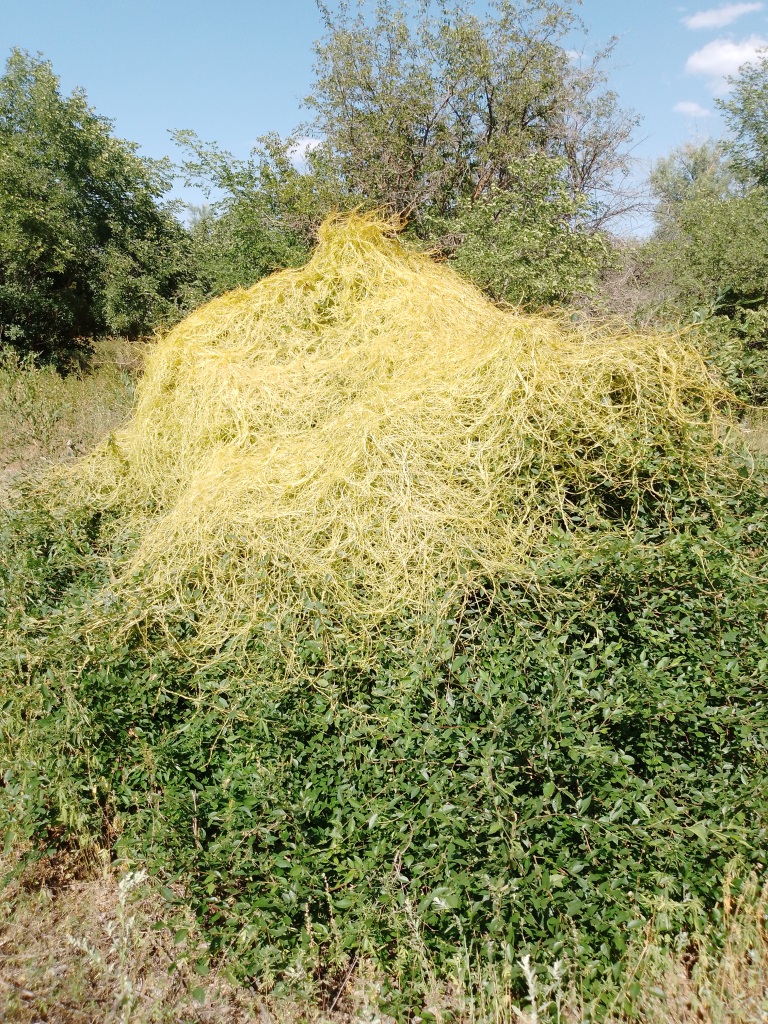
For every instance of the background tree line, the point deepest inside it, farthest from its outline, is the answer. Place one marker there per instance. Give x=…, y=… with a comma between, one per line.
x=707, y=261
x=498, y=150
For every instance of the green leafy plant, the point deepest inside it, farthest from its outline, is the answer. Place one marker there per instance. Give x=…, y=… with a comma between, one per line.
x=529, y=243
x=708, y=262
x=576, y=758
x=85, y=244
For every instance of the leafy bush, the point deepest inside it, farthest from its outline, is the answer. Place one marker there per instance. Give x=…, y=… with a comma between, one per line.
x=709, y=262
x=737, y=346
x=266, y=212
x=529, y=243
x=560, y=765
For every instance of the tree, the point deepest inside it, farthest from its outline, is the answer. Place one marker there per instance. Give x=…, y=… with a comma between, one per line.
x=80, y=219
x=709, y=254
x=690, y=171
x=266, y=209
x=745, y=112
x=482, y=134
x=425, y=110
x=709, y=259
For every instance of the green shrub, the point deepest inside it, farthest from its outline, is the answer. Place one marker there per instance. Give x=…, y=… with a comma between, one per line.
x=737, y=346
x=560, y=765
x=529, y=243
x=708, y=262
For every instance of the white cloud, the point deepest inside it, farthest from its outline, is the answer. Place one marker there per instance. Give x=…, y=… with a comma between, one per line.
x=723, y=57
x=719, y=17
x=298, y=152
x=691, y=109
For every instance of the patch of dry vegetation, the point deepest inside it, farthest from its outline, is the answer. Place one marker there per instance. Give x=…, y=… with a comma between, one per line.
x=46, y=418
x=723, y=982
x=83, y=941
x=756, y=431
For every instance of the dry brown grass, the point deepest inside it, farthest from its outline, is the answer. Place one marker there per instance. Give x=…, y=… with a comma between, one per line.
x=709, y=983
x=756, y=431
x=75, y=946
x=46, y=419
x=83, y=941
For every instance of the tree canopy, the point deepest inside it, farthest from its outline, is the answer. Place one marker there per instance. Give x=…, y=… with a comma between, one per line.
x=426, y=108
x=85, y=243
x=481, y=132
x=745, y=111
x=709, y=254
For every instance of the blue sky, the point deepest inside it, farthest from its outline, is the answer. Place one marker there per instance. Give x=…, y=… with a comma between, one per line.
x=236, y=69
x=672, y=60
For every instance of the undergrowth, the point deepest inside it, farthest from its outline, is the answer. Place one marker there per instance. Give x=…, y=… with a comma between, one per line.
x=553, y=753
x=82, y=940
x=584, y=756
x=47, y=418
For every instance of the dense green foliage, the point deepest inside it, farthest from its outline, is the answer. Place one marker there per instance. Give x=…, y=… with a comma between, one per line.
x=85, y=245
x=564, y=762
x=708, y=260
x=481, y=133
x=528, y=243
x=265, y=216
